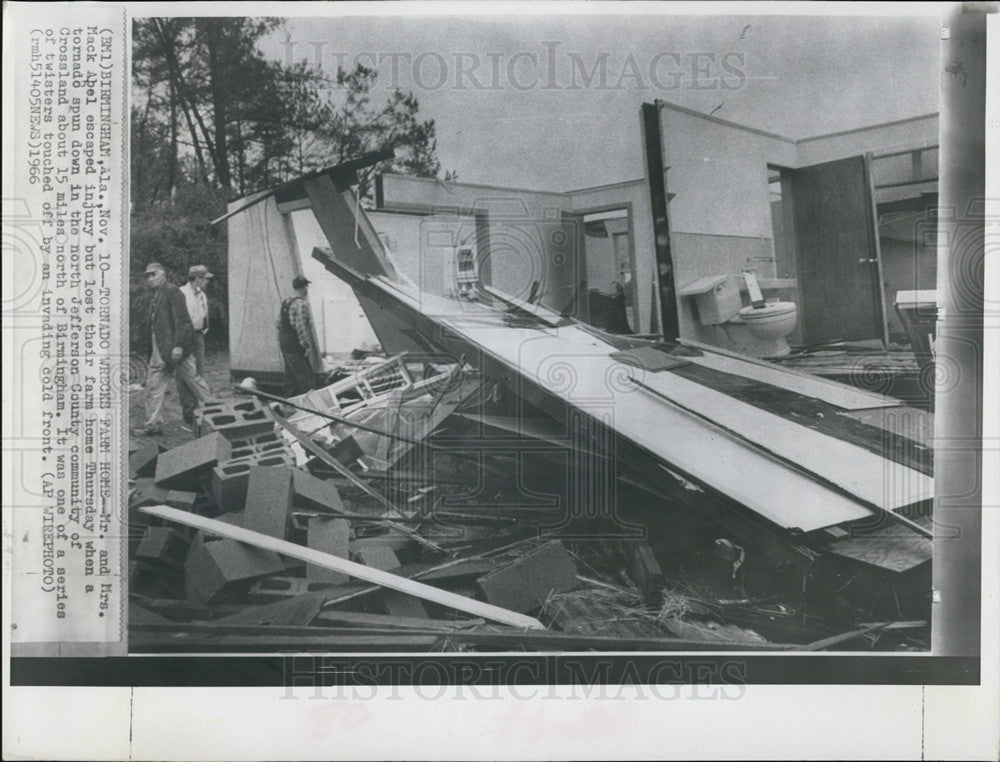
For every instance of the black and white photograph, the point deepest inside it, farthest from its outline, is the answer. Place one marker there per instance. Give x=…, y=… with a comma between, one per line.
x=544, y=340
x=385, y=346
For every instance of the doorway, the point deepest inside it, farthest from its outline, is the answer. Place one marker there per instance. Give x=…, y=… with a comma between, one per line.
x=609, y=259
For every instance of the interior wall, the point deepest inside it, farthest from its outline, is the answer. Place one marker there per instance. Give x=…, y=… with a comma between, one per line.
x=720, y=207
x=422, y=247
x=897, y=136
x=527, y=239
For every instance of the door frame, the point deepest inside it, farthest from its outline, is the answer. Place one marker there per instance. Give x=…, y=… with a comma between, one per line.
x=633, y=288
x=870, y=177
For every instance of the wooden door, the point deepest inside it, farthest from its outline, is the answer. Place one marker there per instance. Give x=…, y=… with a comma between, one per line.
x=840, y=296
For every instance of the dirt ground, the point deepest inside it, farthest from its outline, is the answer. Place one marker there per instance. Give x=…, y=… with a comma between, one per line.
x=174, y=433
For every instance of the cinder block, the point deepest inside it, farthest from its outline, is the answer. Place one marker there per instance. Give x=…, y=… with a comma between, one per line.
x=218, y=570
x=202, y=412
x=154, y=582
x=377, y=557
x=313, y=493
x=136, y=534
x=330, y=536
x=185, y=501
x=163, y=547
x=403, y=605
x=142, y=462
x=525, y=584
x=183, y=466
x=269, y=498
x=239, y=420
x=280, y=588
x=229, y=483
x=229, y=479
x=235, y=518
x=260, y=441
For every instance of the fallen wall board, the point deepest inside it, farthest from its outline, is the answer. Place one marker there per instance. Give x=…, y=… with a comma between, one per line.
x=834, y=392
x=359, y=571
x=701, y=454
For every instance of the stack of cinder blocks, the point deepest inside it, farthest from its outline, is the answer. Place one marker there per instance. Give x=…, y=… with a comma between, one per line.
x=230, y=477
x=248, y=468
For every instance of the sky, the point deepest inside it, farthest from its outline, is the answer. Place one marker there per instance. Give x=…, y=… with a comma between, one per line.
x=552, y=102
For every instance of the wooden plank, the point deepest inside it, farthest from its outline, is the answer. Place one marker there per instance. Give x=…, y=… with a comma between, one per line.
x=547, y=316
x=146, y=639
x=376, y=576
x=834, y=392
x=563, y=641
x=785, y=456
x=297, y=611
x=354, y=619
x=819, y=645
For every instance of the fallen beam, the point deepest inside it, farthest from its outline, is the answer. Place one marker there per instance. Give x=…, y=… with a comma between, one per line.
x=359, y=571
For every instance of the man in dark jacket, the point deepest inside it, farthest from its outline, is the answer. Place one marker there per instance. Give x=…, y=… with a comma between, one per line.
x=173, y=345
x=297, y=341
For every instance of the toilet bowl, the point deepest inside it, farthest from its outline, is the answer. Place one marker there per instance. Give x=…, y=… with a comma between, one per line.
x=761, y=331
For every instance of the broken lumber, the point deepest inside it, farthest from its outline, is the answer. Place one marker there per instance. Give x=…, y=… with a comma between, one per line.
x=327, y=561
x=384, y=621
x=341, y=469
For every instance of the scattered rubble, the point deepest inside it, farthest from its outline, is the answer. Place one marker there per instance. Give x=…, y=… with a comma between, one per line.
x=338, y=521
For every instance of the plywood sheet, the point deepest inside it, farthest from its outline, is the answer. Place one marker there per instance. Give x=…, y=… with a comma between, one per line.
x=841, y=395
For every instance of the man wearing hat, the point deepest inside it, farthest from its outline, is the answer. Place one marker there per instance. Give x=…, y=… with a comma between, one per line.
x=173, y=345
x=297, y=340
x=197, y=307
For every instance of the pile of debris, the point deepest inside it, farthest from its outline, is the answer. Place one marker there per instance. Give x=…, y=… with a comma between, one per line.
x=331, y=522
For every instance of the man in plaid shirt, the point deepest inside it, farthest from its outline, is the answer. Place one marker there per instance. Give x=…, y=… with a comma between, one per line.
x=297, y=340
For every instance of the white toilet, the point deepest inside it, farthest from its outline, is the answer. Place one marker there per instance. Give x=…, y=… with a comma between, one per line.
x=762, y=331
x=759, y=330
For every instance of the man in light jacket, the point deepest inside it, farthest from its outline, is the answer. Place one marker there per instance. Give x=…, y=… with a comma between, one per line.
x=197, y=307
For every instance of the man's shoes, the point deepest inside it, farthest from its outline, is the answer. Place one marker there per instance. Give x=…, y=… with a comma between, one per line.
x=152, y=431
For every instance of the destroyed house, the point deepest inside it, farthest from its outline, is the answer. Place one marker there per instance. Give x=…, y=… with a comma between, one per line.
x=789, y=452
x=566, y=447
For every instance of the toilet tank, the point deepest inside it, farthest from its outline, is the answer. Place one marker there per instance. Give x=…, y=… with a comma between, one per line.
x=716, y=298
